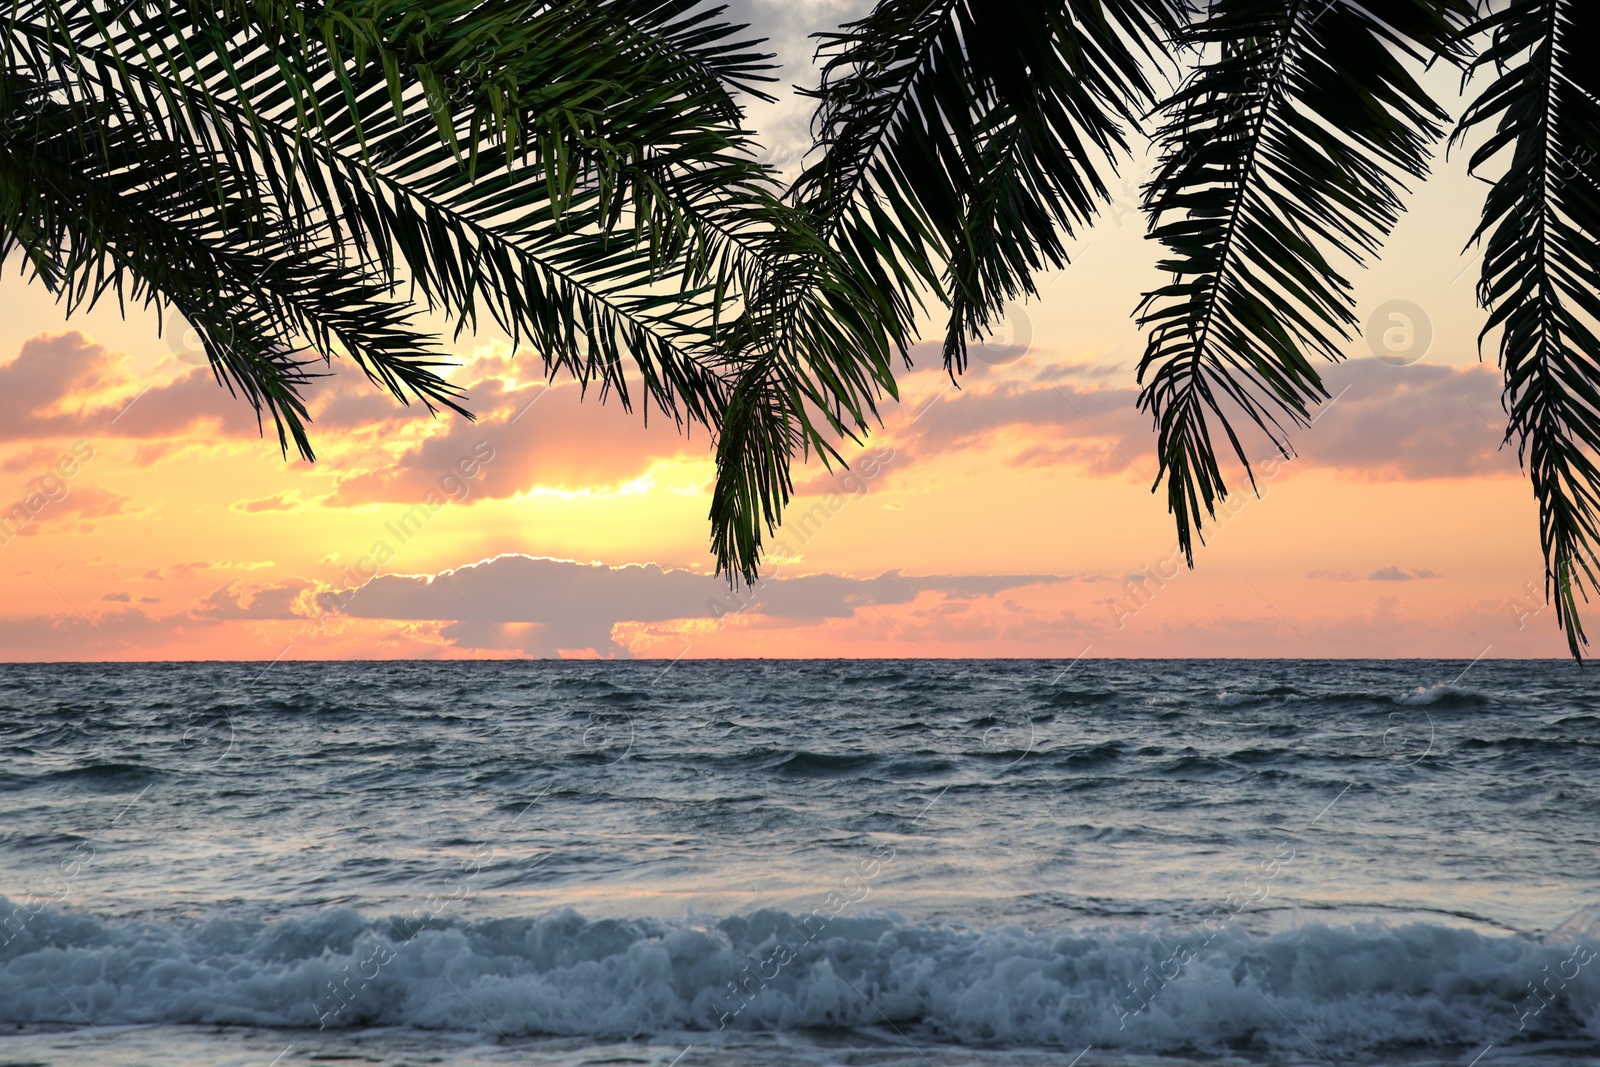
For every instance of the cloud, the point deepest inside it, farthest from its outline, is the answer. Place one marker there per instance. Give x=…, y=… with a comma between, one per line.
x=71, y=636
x=246, y=600
x=183, y=571
x=148, y=455
x=575, y=605
x=525, y=437
x=1039, y=423
x=51, y=500
x=288, y=500
x=32, y=459
x=896, y=615
x=64, y=385
x=349, y=400
x=1381, y=422
x=1410, y=423
x=92, y=502
x=788, y=27
x=1392, y=573
x=1333, y=576
x=50, y=370
x=1384, y=422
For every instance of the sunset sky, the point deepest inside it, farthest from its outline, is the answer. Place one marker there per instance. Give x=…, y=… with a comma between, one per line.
x=1009, y=517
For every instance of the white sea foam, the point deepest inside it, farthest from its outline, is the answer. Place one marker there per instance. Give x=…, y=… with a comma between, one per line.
x=1348, y=990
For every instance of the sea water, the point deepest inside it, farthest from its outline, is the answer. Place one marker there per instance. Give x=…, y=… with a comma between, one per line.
x=800, y=862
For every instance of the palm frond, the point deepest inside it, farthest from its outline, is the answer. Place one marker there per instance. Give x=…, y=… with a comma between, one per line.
x=1541, y=268
x=960, y=142
x=1283, y=162
x=574, y=169
x=261, y=291
x=808, y=356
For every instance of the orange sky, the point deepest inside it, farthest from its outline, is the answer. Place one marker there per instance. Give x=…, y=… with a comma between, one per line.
x=1010, y=517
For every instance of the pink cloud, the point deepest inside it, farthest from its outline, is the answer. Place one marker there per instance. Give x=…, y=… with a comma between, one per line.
x=288, y=500
x=575, y=605
x=1381, y=422
x=526, y=437
x=43, y=394
x=249, y=600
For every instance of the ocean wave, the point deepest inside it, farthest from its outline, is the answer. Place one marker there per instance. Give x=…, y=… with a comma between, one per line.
x=1090, y=753
x=101, y=777
x=1348, y=990
x=1230, y=698
x=1071, y=698
x=1535, y=745
x=805, y=764
x=1444, y=695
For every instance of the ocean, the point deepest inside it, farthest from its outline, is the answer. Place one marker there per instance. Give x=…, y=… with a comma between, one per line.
x=800, y=862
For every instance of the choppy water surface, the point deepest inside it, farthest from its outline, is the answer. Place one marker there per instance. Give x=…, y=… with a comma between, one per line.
x=800, y=862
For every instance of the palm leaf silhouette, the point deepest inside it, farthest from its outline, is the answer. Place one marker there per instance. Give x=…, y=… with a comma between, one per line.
x=1282, y=162
x=1541, y=268
x=301, y=181
x=573, y=170
x=957, y=142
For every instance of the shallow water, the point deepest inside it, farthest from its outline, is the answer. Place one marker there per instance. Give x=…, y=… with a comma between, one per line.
x=947, y=862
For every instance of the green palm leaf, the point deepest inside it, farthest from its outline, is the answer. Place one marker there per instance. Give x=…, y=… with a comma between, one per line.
x=1283, y=160
x=1541, y=268
x=573, y=169
x=960, y=143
